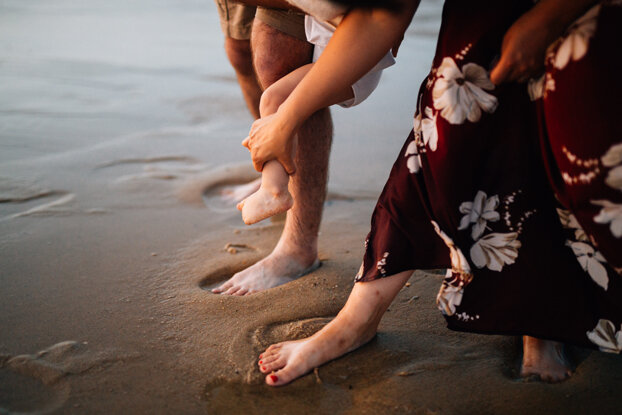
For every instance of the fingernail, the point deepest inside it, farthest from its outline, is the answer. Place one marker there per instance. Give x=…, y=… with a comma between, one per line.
x=261, y=355
x=274, y=378
x=263, y=368
x=261, y=361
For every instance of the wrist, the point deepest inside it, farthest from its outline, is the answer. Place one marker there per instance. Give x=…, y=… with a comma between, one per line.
x=288, y=120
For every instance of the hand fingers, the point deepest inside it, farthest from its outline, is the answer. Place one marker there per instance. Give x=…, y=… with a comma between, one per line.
x=288, y=165
x=247, y=142
x=258, y=165
x=500, y=73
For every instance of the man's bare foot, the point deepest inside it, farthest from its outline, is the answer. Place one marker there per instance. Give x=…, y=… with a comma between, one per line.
x=355, y=325
x=235, y=194
x=262, y=204
x=274, y=270
x=544, y=359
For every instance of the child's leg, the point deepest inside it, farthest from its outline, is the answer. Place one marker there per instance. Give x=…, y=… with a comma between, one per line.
x=273, y=196
x=354, y=326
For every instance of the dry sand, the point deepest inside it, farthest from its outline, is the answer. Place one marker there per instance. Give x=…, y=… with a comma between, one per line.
x=119, y=123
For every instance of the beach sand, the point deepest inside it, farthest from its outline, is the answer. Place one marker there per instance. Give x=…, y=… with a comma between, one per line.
x=119, y=124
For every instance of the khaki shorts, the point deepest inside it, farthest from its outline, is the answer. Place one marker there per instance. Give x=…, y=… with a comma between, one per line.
x=236, y=20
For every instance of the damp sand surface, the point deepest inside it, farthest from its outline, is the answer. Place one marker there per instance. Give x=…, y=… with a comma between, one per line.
x=120, y=124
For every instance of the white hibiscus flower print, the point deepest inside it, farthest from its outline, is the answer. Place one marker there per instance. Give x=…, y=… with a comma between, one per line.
x=614, y=178
x=495, y=250
x=449, y=297
x=610, y=213
x=428, y=127
x=569, y=221
x=452, y=289
x=574, y=45
x=459, y=262
x=538, y=88
x=459, y=94
x=413, y=158
x=605, y=337
x=591, y=261
x=479, y=212
x=613, y=156
x=417, y=123
x=382, y=263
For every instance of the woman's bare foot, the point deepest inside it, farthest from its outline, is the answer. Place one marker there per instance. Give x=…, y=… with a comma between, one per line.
x=235, y=194
x=263, y=203
x=544, y=359
x=354, y=326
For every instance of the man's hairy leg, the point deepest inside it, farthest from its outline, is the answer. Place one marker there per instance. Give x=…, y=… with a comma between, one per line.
x=241, y=59
x=276, y=54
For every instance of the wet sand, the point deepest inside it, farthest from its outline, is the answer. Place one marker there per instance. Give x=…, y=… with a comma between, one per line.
x=119, y=124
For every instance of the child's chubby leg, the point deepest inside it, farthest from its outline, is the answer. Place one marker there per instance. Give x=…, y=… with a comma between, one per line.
x=354, y=326
x=273, y=197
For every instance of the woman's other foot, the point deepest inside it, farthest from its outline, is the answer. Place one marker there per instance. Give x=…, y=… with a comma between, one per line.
x=544, y=359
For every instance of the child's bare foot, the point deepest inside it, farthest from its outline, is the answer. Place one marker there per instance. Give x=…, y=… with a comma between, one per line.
x=263, y=203
x=237, y=193
x=544, y=359
x=355, y=325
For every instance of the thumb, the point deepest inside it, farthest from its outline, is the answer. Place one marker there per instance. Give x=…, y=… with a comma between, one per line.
x=246, y=142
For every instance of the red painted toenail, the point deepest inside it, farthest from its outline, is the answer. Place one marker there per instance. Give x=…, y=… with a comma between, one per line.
x=263, y=368
x=274, y=378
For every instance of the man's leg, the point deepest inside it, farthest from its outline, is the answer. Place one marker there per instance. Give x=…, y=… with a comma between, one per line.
x=239, y=54
x=236, y=22
x=276, y=54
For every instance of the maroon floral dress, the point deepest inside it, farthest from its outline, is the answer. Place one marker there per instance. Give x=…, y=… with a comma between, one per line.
x=516, y=189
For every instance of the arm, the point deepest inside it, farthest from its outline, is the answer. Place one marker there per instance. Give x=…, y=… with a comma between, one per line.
x=360, y=41
x=525, y=43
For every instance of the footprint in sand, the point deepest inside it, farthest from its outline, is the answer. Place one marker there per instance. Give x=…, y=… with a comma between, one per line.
x=328, y=389
x=153, y=168
x=251, y=395
x=37, y=383
x=19, y=199
x=221, y=189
